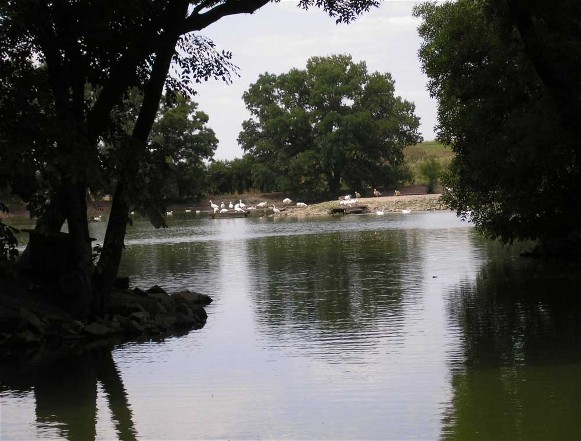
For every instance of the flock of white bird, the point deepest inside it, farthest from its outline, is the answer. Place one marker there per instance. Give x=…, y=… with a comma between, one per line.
x=241, y=207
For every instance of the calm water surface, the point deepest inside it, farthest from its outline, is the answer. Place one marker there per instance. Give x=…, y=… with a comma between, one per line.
x=358, y=327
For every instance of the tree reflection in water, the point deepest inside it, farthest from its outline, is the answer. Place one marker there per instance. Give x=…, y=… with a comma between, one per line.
x=65, y=382
x=520, y=322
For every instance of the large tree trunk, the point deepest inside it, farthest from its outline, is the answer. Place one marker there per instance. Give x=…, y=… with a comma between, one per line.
x=334, y=182
x=108, y=265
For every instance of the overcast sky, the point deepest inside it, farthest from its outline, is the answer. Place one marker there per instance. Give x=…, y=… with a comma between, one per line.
x=281, y=36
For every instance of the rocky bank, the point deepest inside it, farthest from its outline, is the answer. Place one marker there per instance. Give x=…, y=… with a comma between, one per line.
x=29, y=317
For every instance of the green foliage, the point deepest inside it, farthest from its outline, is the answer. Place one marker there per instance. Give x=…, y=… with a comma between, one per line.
x=501, y=71
x=426, y=162
x=8, y=245
x=329, y=125
x=227, y=177
x=431, y=170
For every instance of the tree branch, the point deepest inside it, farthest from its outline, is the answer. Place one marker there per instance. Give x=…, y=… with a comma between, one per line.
x=197, y=21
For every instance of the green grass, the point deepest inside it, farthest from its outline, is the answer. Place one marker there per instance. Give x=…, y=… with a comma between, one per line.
x=418, y=154
x=424, y=150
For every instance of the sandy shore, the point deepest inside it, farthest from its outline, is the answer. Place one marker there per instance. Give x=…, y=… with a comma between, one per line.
x=420, y=202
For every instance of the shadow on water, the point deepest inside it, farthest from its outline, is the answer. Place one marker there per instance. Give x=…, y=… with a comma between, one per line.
x=65, y=386
x=520, y=379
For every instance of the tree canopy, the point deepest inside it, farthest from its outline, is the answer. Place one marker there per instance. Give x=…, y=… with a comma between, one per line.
x=110, y=46
x=330, y=124
x=506, y=76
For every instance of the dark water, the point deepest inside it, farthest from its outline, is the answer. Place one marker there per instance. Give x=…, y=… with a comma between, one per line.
x=358, y=327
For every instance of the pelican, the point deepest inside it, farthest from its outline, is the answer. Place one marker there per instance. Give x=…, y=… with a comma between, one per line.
x=286, y=201
x=216, y=209
x=242, y=204
x=275, y=210
x=222, y=205
x=239, y=210
x=169, y=213
x=224, y=210
x=406, y=211
x=301, y=204
x=357, y=194
x=380, y=212
x=376, y=193
x=188, y=210
x=261, y=205
x=213, y=205
x=230, y=206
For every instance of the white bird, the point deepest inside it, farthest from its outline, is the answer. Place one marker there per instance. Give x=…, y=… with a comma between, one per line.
x=376, y=193
x=222, y=205
x=224, y=210
x=301, y=204
x=213, y=205
x=380, y=212
x=169, y=213
x=230, y=206
x=236, y=207
x=242, y=204
x=239, y=209
x=275, y=210
x=347, y=197
x=188, y=211
x=406, y=211
x=357, y=194
x=286, y=201
x=216, y=209
x=261, y=205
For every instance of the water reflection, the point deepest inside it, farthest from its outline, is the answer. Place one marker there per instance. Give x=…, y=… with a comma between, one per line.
x=520, y=378
x=383, y=327
x=65, y=385
x=330, y=287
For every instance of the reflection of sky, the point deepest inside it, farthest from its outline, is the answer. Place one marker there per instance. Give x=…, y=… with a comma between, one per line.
x=234, y=381
x=237, y=378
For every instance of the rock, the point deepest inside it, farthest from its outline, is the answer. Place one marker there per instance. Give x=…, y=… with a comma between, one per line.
x=121, y=283
x=164, y=299
x=188, y=296
x=166, y=321
x=156, y=289
x=186, y=321
x=32, y=321
x=139, y=292
x=26, y=337
x=140, y=317
x=11, y=320
x=98, y=330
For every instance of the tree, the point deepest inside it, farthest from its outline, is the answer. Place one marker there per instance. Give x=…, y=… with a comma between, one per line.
x=505, y=76
x=431, y=169
x=328, y=125
x=182, y=134
x=112, y=46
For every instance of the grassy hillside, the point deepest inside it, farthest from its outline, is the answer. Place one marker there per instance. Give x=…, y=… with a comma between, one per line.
x=428, y=149
x=427, y=161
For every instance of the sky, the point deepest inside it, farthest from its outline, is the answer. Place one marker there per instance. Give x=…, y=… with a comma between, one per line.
x=281, y=36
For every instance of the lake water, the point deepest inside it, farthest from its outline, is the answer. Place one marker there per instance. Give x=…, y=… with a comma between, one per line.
x=358, y=327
